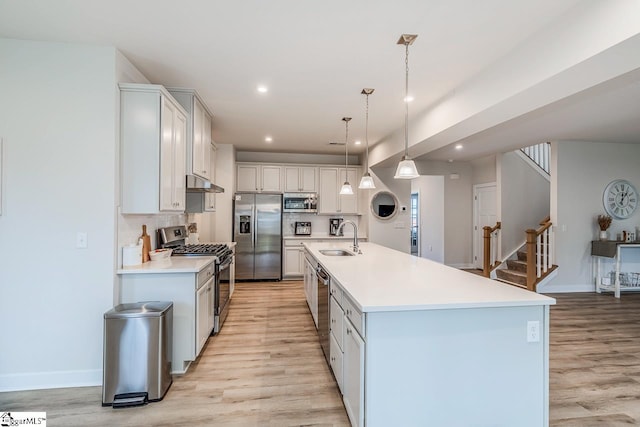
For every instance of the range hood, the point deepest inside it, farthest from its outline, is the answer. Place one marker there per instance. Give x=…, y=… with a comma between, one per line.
x=195, y=184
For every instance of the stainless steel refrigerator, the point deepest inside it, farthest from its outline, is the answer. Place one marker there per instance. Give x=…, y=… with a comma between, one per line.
x=257, y=231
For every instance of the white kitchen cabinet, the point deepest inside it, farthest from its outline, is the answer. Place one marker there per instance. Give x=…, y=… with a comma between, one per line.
x=300, y=178
x=336, y=361
x=311, y=288
x=192, y=296
x=153, y=137
x=293, y=262
x=259, y=177
x=329, y=199
x=353, y=374
x=198, y=132
x=210, y=198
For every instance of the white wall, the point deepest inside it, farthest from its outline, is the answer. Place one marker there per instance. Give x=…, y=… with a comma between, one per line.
x=393, y=233
x=57, y=120
x=583, y=171
x=524, y=198
x=430, y=191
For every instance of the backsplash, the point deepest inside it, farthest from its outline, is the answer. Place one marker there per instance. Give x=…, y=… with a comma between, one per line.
x=319, y=224
x=130, y=228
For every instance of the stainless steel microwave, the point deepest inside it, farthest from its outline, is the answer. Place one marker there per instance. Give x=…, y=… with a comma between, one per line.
x=300, y=202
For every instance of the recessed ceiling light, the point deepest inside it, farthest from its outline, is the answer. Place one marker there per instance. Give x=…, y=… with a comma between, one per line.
x=408, y=98
x=262, y=89
x=358, y=142
x=268, y=139
x=459, y=147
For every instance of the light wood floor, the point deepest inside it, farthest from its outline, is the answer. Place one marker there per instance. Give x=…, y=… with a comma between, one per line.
x=266, y=368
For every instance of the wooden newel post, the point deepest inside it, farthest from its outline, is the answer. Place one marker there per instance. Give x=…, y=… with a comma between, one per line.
x=531, y=259
x=486, y=260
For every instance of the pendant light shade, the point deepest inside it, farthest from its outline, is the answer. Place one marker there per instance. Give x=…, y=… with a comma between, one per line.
x=346, y=189
x=407, y=167
x=366, y=182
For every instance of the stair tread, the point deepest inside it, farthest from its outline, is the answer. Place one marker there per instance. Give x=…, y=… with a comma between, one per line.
x=514, y=272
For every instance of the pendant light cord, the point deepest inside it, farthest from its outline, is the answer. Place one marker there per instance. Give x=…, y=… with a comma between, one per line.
x=346, y=145
x=406, y=102
x=366, y=135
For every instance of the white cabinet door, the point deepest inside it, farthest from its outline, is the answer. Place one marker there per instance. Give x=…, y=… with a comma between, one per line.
x=353, y=375
x=292, y=178
x=167, y=203
x=336, y=322
x=210, y=198
x=247, y=178
x=179, y=153
x=328, y=192
x=307, y=282
x=292, y=265
x=197, y=149
x=202, y=317
x=207, y=170
x=271, y=178
x=336, y=361
x=308, y=180
x=348, y=203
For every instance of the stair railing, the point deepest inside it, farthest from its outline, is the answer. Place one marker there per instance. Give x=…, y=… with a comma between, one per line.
x=540, y=155
x=539, y=253
x=490, y=253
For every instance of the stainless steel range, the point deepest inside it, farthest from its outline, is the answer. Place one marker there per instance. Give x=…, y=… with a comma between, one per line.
x=174, y=238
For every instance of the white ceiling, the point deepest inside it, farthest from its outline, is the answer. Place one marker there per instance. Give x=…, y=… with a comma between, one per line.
x=315, y=57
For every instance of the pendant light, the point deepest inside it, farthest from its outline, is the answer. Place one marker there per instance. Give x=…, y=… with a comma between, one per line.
x=406, y=168
x=346, y=187
x=366, y=182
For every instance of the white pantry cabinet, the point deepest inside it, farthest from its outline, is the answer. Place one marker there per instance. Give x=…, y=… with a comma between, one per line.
x=329, y=198
x=259, y=177
x=198, y=132
x=153, y=130
x=300, y=178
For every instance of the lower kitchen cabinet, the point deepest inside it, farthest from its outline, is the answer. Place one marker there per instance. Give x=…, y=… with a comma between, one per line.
x=293, y=262
x=311, y=288
x=192, y=295
x=353, y=374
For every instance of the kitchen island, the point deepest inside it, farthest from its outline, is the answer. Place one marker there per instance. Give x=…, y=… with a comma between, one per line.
x=414, y=342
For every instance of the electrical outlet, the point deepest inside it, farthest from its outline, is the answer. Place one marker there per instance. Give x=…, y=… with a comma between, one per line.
x=533, y=331
x=81, y=240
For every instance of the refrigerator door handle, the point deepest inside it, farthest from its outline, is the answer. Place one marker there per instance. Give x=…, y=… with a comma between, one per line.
x=254, y=236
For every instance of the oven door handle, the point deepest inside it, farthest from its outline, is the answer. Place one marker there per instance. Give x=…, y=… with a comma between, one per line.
x=225, y=264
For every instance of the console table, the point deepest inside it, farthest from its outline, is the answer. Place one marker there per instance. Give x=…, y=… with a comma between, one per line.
x=614, y=249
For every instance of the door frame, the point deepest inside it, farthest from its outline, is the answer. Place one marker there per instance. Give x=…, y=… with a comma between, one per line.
x=477, y=253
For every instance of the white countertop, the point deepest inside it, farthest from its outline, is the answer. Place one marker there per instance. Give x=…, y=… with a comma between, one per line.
x=383, y=279
x=173, y=264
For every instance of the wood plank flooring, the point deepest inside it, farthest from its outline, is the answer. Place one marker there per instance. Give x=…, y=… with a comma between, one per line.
x=266, y=368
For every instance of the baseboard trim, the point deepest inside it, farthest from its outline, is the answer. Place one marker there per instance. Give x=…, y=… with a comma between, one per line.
x=462, y=266
x=55, y=379
x=561, y=289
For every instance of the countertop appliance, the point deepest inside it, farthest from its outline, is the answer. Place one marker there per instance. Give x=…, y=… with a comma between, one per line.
x=323, y=310
x=257, y=231
x=174, y=238
x=334, y=226
x=302, y=228
x=300, y=202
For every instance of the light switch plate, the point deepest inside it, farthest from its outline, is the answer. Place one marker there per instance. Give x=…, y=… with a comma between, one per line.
x=81, y=240
x=533, y=331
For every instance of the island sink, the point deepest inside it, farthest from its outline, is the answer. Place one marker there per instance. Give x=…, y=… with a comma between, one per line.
x=335, y=252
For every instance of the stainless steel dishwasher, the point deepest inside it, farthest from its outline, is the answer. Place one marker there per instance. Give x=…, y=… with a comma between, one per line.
x=323, y=310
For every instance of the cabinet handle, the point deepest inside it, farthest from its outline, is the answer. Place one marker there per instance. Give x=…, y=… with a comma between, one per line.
x=348, y=331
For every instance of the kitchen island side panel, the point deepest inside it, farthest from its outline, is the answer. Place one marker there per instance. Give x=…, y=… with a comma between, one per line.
x=458, y=367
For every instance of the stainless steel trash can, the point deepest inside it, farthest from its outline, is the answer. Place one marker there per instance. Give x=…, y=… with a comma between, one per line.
x=138, y=340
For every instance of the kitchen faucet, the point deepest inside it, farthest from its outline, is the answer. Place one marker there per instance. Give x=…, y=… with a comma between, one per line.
x=356, y=248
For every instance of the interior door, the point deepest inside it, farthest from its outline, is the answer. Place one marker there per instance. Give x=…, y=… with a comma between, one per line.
x=485, y=207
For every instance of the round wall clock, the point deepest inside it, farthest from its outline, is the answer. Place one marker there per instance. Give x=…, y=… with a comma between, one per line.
x=620, y=199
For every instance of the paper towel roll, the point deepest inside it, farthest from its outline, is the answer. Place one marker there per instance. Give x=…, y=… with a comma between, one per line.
x=131, y=255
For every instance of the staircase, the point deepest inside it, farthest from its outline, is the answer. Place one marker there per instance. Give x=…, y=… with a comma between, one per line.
x=516, y=271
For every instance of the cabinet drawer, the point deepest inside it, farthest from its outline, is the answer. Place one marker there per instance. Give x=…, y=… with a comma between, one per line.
x=336, y=292
x=204, y=275
x=336, y=316
x=336, y=361
x=353, y=314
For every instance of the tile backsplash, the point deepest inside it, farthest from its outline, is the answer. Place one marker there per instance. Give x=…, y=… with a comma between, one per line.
x=319, y=223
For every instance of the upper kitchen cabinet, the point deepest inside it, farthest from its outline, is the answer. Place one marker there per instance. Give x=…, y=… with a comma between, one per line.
x=300, y=178
x=210, y=198
x=153, y=133
x=329, y=198
x=198, y=132
x=259, y=177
